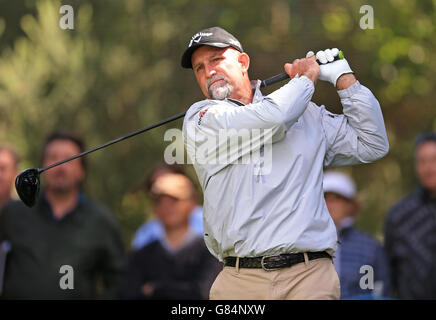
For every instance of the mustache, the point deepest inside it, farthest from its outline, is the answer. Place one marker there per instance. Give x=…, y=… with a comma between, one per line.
x=213, y=79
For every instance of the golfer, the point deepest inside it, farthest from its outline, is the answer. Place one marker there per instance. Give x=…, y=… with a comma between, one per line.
x=271, y=228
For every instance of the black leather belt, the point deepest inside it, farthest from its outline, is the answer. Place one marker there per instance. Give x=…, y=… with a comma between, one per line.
x=274, y=262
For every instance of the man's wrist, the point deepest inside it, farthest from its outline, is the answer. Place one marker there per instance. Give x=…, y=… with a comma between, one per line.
x=311, y=76
x=345, y=81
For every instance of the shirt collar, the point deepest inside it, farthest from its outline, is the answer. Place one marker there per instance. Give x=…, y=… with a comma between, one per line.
x=257, y=96
x=425, y=195
x=189, y=237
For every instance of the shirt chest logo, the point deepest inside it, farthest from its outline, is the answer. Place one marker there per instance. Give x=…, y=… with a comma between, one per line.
x=201, y=115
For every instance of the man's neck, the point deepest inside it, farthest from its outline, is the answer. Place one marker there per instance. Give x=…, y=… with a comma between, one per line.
x=62, y=202
x=4, y=200
x=245, y=94
x=175, y=236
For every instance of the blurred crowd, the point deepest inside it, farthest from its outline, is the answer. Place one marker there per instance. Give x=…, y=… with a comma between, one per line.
x=168, y=259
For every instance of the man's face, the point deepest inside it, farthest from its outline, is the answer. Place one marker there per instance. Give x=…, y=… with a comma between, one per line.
x=68, y=176
x=338, y=206
x=173, y=212
x=8, y=171
x=220, y=72
x=425, y=165
x=174, y=199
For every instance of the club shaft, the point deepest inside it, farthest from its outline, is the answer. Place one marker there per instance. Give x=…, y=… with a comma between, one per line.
x=283, y=76
x=267, y=82
x=274, y=79
x=157, y=124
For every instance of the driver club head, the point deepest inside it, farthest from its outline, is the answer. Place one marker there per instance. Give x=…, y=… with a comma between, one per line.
x=27, y=185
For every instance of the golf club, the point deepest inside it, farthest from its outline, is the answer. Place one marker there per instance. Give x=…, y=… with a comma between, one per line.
x=27, y=183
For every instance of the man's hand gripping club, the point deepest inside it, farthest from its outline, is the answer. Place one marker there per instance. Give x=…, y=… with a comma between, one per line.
x=329, y=68
x=304, y=67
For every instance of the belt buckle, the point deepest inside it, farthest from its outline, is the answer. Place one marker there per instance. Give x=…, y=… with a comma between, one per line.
x=262, y=263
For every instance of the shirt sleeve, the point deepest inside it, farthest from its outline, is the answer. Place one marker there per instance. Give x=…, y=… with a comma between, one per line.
x=217, y=126
x=359, y=134
x=284, y=105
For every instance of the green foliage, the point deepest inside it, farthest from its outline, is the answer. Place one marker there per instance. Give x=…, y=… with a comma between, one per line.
x=119, y=70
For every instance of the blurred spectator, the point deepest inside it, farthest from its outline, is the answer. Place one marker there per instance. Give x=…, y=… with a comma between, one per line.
x=154, y=230
x=8, y=172
x=356, y=248
x=410, y=229
x=177, y=265
x=67, y=246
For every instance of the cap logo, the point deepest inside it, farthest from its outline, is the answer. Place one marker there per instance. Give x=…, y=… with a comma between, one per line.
x=234, y=42
x=197, y=37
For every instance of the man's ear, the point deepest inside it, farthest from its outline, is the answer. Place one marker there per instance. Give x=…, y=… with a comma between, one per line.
x=244, y=60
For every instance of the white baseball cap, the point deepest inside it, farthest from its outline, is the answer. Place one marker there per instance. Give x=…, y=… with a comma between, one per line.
x=175, y=185
x=339, y=183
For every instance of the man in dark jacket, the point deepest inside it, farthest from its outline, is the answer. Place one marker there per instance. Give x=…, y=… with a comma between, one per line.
x=67, y=246
x=410, y=230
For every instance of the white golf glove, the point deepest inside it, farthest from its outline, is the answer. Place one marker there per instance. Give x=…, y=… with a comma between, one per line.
x=330, y=70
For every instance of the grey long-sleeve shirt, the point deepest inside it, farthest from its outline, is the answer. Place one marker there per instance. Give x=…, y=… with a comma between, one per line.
x=264, y=195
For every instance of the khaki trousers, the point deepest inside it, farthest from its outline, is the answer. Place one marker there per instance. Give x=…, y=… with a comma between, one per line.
x=310, y=280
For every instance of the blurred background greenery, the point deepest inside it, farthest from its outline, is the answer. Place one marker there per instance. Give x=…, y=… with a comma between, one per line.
x=119, y=70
